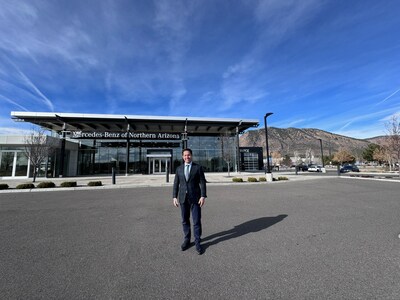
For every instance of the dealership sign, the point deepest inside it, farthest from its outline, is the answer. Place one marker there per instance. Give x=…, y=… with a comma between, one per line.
x=124, y=135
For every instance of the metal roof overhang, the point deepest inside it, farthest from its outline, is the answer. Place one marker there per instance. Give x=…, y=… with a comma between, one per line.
x=103, y=122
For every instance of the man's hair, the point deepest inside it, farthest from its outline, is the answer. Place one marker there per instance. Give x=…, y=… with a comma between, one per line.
x=187, y=149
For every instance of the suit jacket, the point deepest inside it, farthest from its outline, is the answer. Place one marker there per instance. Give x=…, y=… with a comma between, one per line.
x=194, y=188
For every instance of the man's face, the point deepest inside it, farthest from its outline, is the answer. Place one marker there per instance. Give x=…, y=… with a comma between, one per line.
x=187, y=157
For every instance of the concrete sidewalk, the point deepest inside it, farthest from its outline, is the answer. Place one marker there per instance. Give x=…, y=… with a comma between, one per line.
x=139, y=180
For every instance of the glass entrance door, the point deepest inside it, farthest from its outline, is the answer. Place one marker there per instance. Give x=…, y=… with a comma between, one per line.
x=158, y=165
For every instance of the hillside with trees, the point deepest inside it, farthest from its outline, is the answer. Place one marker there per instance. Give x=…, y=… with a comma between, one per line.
x=303, y=143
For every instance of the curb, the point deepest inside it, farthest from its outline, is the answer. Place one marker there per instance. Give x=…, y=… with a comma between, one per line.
x=145, y=185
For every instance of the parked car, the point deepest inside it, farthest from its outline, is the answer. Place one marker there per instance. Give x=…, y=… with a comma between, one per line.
x=314, y=168
x=349, y=168
x=302, y=167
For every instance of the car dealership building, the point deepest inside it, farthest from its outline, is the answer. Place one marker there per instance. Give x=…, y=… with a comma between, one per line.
x=89, y=144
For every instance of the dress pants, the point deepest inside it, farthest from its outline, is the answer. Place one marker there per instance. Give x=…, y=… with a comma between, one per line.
x=195, y=209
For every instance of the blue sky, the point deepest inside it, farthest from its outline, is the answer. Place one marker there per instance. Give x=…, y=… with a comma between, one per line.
x=331, y=65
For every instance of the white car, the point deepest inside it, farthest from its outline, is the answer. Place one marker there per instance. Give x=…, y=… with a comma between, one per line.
x=314, y=168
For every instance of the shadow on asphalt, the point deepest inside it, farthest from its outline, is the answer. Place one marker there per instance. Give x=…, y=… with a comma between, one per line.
x=241, y=229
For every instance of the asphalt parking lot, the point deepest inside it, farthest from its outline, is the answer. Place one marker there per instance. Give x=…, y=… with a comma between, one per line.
x=330, y=238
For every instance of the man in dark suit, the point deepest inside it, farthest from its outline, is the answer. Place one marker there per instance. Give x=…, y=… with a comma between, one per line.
x=190, y=189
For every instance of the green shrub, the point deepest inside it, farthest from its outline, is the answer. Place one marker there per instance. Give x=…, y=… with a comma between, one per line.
x=3, y=186
x=25, y=186
x=236, y=179
x=262, y=179
x=252, y=179
x=282, y=178
x=68, y=184
x=46, y=184
x=95, y=183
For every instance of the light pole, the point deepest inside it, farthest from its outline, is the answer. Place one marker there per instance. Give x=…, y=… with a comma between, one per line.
x=268, y=170
x=184, y=136
x=238, y=148
x=322, y=153
x=127, y=147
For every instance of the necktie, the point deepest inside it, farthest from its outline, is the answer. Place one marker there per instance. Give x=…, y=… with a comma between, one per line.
x=187, y=172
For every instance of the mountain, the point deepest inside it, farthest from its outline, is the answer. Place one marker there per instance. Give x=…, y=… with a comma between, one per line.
x=298, y=142
x=379, y=140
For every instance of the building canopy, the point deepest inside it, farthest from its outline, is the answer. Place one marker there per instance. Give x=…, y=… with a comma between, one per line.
x=194, y=126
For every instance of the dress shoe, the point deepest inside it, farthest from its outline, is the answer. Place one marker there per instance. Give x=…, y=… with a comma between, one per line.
x=199, y=249
x=185, y=245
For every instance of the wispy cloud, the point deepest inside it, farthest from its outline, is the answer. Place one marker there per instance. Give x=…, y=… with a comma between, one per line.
x=280, y=19
x=293, y=123
x=239, y=85
x=46, y=101
x=38, y=29
x=24, y=83
x=172, y=19
x=321, y=64
x=388, y=97
x=372, y=116
x=390, y=116
x=13, y=131
x=10, y=127
x=362, y=133
x=249, y=79
x=13, y=102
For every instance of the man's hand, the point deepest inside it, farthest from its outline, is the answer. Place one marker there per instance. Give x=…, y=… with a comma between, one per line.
x=176, y=202
x=202, y=201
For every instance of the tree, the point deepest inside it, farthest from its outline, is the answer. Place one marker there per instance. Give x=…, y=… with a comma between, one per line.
x=368, y=153
x=276, y=158
x=37, y=148
x=328, y=159
x=297, y=158
x=344, y=156
x=393, y=132
x=228, y=148
x=287, y=161
x=309, y=155
x=381, y=154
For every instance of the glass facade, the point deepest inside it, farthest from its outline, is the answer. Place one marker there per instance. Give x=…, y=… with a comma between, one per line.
x=6, y=163
x=21, y=167
x=88, y=157
x=99, y=143
x=13, y=163
x=153, y=156
x=213, y=153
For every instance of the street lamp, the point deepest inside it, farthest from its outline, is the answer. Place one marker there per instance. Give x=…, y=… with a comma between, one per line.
x=268, y=170
x=322, y=153
x=127, y=147
x=238, y=148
